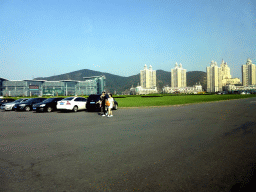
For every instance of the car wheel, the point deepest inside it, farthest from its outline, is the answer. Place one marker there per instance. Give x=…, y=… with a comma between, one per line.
x=75, y=109
x=49, y=109
x=27, y=108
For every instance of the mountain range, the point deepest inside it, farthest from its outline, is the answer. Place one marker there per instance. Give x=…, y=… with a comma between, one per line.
x=118, y=84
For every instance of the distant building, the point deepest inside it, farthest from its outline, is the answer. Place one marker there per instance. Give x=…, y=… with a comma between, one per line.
x=91, y=85
x=142, y=91
x=249, y=73
x=148, y=78
x=1, y=85
x=178, y=76
x=214, y=78
x=226, y=77
x=231, y=81
x=179, y=82
x=147, y=82
x=239, y=89
x=195, y=89
x=225, y=70
x=100, y=82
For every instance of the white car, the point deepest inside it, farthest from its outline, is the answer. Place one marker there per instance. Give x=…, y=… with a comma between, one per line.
x=9, y=106
x=72, y=103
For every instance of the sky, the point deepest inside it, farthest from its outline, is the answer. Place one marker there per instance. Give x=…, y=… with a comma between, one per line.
x=52, y=37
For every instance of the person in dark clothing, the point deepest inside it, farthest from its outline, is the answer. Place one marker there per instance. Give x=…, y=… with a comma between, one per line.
x=104, y=104
x=102, y=100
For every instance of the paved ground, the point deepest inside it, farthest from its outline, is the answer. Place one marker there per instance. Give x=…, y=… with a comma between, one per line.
x=198, y=147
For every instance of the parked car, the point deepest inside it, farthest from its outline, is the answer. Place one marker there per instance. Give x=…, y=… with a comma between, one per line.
x=48, y=105
x=93, y=103
x=10, y=106
x=2, y=101
x=27, y=105
x=72, y=103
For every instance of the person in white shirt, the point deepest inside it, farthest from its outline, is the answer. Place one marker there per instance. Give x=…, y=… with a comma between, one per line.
x=111, y=101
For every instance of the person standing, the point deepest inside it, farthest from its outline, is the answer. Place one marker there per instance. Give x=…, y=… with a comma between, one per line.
x=111, y=101
x=106, y=110
x=102, y=100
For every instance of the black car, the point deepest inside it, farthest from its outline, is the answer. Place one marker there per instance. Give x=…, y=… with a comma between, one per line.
x=27, y=105
x=93, y=103
x=2, y=101
x=48, y=105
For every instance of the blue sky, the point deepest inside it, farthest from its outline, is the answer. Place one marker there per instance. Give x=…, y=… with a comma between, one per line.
x=51, y=37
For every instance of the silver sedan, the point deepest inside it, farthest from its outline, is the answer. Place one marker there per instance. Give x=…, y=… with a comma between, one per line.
x=9, y=106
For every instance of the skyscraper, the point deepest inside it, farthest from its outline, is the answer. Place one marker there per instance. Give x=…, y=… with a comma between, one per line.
x=226, y=77
x=178, y=76
x=148, y=78
x=249, y=73
x=225, y=70
x=214, y=78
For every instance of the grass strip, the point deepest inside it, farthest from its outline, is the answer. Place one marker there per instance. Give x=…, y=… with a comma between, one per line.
x=176, y=100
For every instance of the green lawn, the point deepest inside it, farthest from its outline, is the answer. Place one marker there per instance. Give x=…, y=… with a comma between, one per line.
x=174, y=100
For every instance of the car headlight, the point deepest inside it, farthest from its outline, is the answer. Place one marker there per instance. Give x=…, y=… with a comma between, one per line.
x=42, y=105
x=22, y=105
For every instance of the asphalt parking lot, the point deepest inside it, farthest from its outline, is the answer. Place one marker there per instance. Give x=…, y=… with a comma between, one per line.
x=197, y=147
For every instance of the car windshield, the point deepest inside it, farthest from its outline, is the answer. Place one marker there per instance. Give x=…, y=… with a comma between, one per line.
x=94, y=97
x=48, y=100
x=28, y=101
x=18, y=101
x=68, y=98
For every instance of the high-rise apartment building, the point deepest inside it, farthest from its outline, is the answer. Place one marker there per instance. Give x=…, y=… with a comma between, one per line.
x=226, y=76
x=249, y=73
x=214, y=78
x=148, y=78
x=225, y=70
x=178, y=76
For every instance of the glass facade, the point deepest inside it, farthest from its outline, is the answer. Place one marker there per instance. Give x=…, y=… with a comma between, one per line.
x=1, y=87
x=90, y=85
